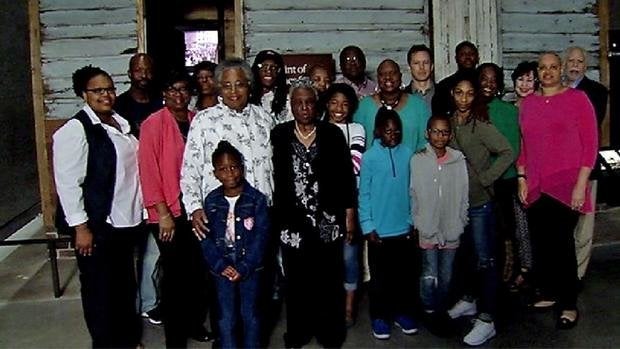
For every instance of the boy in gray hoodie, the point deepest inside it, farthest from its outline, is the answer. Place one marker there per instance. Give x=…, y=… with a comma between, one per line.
x=439, y=203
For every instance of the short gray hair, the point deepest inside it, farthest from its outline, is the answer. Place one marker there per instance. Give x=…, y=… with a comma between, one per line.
x=584, y=53
x=234, y=63
x=302, y=83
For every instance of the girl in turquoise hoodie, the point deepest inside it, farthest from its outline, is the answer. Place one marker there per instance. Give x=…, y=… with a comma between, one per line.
x=386, y=222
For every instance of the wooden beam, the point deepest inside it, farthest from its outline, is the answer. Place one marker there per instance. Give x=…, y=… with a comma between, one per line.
x=141, y=26
x=604, y=8
x=239, y=30
x=45, y=180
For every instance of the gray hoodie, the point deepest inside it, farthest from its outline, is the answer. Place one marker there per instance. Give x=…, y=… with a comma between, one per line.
x=439, y=197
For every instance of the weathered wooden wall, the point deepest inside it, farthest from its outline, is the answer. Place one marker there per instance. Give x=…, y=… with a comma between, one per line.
x=75, y=33
x=383, y=29
x=456, y=21
x=529, y=27
x=66, y=35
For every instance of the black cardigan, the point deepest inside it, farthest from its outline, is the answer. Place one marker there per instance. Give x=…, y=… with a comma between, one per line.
x=332, y=165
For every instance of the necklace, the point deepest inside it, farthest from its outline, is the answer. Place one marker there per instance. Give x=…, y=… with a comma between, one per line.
x=301, y=135
x=390, y=106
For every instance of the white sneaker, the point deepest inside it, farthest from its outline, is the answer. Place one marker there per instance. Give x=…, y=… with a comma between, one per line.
x=462, y=308
x=482, y=332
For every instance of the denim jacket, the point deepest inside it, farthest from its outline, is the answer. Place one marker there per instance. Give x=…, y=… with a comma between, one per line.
x=251, y=231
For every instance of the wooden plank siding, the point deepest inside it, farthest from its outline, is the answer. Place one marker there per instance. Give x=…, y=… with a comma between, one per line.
x=530, y=27
x=383, y=29
x=75, y=33
x=67, y=35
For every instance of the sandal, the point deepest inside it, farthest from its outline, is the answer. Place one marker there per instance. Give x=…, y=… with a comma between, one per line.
x=520, y=281
x=568, y=319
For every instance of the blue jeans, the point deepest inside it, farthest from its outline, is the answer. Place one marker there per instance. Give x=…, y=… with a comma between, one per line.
x=148, y=285
x=479, y=246
x=244, y=293
x=351, y=266
x=436, y=276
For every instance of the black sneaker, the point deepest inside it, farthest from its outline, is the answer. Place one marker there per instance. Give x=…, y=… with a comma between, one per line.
x=202, y=335
x=154, y=316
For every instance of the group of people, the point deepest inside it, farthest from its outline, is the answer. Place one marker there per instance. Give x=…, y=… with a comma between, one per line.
x=254, y=186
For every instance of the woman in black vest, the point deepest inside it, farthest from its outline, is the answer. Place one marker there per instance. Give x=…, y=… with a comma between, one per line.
x=96, y=175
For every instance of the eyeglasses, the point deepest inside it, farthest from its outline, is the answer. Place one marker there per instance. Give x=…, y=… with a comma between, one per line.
x=268, y=67
x=238, y=85
x=437, y=132
x=351, y=59
x=102, y=90
x=179, y=90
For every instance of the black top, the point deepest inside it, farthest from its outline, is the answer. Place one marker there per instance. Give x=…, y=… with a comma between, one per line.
x=136, y=112
x=597, y=94
x=184, y=128
x=331, y=168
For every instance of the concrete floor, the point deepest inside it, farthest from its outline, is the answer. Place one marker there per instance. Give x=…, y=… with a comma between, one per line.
x=30, y=317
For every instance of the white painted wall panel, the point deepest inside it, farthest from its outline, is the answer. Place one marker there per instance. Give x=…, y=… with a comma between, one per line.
x=76, y=33
x=384, y=29
x=530, y=27
x=260, y=5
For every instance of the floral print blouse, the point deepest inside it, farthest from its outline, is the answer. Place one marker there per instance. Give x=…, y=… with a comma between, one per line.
x=247, y=130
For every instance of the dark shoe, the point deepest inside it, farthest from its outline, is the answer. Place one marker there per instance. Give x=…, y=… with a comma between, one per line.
x=566, y=321
x=202, y=335
x=153, y=316
x=439, y=324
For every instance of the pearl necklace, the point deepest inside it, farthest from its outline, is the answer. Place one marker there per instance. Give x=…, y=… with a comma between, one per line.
x=301, y=135
x=390, y=106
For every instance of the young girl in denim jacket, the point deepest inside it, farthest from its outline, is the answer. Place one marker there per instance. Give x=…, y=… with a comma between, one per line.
x=234, y=246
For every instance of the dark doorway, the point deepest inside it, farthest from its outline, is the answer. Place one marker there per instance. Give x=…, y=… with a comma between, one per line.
x=181, y=33
x=20, y=198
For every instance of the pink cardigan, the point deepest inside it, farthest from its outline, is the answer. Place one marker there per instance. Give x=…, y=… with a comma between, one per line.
x=559, y=136
x=160, y=156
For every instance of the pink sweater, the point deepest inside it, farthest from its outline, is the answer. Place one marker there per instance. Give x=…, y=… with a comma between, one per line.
x=559, y=136
x=160, y=156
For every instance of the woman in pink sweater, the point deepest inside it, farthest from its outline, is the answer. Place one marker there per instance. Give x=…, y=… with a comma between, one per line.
x=160, y=156
x=559, y=132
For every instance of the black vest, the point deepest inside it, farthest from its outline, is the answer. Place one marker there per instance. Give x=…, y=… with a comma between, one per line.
x=98, y=186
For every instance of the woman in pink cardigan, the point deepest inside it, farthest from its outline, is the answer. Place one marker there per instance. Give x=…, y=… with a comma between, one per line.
x=160, y=156
x=559, y=132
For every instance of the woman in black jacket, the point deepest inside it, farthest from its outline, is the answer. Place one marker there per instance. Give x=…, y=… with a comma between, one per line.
x=314, y=200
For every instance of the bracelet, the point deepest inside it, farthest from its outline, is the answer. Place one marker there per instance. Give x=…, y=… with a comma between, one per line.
x=521, y=175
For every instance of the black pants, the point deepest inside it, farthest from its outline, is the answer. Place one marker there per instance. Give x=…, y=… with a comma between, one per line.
x=185, y=293
x=392, y=286
x=108, y=288
x=314, y=294
x=555, y=266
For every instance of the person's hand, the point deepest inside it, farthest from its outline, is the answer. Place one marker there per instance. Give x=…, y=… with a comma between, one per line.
x=578, y=198
x=84, y=240
x=166, y=228
x=199, y=224
x=231, y=274
x=522, y=191
x=373, y=238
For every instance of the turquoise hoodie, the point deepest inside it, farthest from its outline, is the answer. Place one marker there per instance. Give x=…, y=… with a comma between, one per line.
x=384, y=190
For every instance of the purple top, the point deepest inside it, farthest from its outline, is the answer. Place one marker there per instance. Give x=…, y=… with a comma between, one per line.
x=559, y=137
x=366, y=88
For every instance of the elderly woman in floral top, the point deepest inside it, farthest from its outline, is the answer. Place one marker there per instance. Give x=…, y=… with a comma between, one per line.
x=245, y=126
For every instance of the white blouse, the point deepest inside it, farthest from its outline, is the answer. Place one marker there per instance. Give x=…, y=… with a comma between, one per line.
x=70, y=156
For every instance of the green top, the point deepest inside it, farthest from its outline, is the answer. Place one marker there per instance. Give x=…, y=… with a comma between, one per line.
x=480, y=141
x=505, y=117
